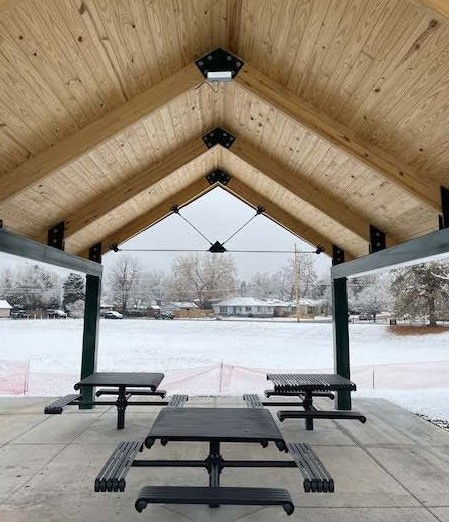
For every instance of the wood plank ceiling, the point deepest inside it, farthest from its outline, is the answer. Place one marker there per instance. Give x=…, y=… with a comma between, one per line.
x=341, y=114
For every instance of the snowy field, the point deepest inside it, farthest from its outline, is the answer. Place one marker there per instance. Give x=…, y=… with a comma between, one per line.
x=213, y=357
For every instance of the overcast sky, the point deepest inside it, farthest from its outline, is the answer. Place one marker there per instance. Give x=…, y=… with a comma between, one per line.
x=217, y=215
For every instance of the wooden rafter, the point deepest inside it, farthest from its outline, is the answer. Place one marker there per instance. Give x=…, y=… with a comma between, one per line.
x=71, y=148
x=340, y=135
x=439, y=6
x=105, y=203
x=281, y=217
x=154, y=215
x=315, y=196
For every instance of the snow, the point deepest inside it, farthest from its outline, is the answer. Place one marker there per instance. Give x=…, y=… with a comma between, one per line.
x=230, y=357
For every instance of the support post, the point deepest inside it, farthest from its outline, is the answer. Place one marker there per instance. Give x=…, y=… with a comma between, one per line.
x=90, y=335
x=341, y=338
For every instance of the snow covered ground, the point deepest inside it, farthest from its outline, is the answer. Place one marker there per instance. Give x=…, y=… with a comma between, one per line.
x=210, y=357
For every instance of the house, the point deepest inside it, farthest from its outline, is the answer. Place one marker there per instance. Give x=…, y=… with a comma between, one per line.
x=244, y=307
x=5, y=309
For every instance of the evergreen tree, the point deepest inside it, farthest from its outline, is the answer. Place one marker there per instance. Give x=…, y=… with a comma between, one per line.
x=73, y=289
x=421, y=290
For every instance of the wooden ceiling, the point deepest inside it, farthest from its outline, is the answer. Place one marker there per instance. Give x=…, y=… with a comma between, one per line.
x=340, y=113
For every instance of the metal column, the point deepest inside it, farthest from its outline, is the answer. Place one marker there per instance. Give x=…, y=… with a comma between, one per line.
x=90, y=334
x=341, y=338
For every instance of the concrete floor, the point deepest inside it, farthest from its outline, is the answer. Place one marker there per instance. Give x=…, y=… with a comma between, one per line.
x=395, y=467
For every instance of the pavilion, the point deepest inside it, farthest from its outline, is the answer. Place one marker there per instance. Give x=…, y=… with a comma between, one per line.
x=332, y=116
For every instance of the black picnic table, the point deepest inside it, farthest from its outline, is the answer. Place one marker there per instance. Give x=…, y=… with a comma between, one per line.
x=122, y=384
x=307, y=386
x=214, y=425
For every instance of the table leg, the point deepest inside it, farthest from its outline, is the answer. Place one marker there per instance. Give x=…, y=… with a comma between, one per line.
x=307, y=404
x=214, y=465
x=122, y=403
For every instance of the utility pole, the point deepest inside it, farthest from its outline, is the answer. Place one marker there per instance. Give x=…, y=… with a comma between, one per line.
x=296, y=275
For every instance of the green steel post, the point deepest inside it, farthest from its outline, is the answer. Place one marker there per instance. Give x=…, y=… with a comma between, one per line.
x=90, y=333
x=341, y=338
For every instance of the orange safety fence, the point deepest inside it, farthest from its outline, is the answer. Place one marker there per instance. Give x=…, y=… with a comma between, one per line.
x=228, y=379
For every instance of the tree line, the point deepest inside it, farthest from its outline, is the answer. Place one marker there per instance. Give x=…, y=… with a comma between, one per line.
x=420, y=291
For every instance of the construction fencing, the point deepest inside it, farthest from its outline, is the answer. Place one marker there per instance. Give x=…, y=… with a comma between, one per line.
x=225, y=379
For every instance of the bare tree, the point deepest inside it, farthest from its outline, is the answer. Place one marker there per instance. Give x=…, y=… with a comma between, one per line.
x=123, y=280
x=203, y=277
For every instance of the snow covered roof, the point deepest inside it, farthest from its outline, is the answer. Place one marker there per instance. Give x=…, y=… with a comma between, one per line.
x=243, y=301
x=184, y=304
x=4, y=304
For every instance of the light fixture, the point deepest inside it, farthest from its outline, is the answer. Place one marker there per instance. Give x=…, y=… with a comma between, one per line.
x=219, y=76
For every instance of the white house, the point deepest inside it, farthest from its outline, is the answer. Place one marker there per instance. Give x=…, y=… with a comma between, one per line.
x=5, y=308
x=244, y=307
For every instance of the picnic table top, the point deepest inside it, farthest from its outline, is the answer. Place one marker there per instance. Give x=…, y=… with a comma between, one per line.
x=310, y=382
x=223, y=424
x=115, y=379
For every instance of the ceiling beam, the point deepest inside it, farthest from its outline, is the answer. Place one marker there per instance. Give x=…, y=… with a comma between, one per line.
x=281, y=217
x=114, y=197
x=315, y=196
x=439, y=6
x=91, y=136
x=339, y=135
x=152, y=216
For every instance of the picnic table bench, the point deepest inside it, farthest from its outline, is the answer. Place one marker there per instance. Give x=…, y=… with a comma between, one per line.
x=122, y=384
x=308, y=386
x=214, y=425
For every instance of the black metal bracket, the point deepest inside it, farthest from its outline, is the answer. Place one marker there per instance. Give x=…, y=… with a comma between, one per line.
x=377, y=239
x=319, y=249
x=95, y=253
x=444, y=219
x=114, y=247
x=217, y=248
x=55, y=237
x=175, y=209
x=338, y=255
x=219, y=60
x=218, y=136
x=218, y=176
x=1, y=224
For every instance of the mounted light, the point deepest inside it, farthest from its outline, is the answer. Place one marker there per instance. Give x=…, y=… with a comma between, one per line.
x=219, y=76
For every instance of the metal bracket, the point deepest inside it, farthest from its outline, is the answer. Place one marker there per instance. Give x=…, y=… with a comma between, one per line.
x=217, y=248
x=55, y=236
x=1, y=224
x=218, y=136
x=338, y=255
x=114, y=247
x=95, y=253
x=218, y=61
x=218, y=176
x=444, y=220
x=377, y=239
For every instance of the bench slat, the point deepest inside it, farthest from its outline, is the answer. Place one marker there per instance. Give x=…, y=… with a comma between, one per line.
x=252, y=400
x=57, y=406
x=214, y=496
x=112, y=475
x=321, y=414
x=316, y=477
x=177, y=401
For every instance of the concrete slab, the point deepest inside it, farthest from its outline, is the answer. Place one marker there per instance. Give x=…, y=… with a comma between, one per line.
x=12, y=426
x=348, y=515
x=18, y=464
x=58, y=429
x=59, y=456
x=420, y=471
x=442, y=513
